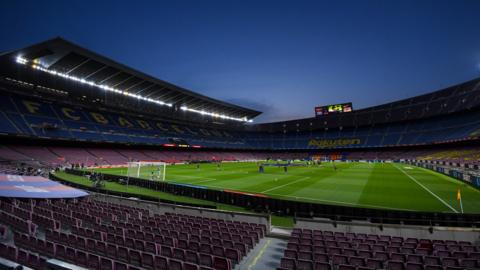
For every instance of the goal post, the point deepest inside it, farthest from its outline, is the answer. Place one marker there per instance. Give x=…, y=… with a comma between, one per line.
x=152, y=170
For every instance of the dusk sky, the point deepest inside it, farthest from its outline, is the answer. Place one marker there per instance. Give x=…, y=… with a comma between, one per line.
x=279, y=57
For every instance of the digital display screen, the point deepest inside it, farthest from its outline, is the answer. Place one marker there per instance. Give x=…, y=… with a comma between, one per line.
x=332, y=109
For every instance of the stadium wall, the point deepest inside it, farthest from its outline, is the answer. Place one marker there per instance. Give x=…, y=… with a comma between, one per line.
x=406, y=231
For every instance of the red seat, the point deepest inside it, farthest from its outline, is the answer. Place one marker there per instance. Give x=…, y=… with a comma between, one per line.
x=322, y=266
x=135, y=257
x=205, y=259
x=147, y=261
x=61, y=251
x=221, y=263
x=191, y=256
x=233, y=255
x=106, y=264
x=93, y=261
x=81, y=258
x=70, y=254
x=288, y=263
x=304, y=265
x=120, y=266
x=190, y=266
x=179, y=254
x=174, y=264
x=161, y=263
x=166, y=251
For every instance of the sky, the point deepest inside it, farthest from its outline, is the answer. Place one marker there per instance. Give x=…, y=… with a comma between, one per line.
x=280, y=57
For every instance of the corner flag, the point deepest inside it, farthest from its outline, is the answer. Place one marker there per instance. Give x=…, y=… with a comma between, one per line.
x=459, y=198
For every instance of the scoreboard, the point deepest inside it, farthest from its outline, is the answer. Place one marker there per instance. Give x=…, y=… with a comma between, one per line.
x=332, y=109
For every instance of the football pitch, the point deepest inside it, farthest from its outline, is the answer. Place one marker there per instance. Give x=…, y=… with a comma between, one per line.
x=391, y=186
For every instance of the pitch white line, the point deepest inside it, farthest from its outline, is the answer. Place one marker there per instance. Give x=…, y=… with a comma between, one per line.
x=429, y=191
x=190, y=176
x=204, y=181
x=287, y=184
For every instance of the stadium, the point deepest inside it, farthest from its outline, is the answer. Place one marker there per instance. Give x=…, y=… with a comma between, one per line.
x=106, y=167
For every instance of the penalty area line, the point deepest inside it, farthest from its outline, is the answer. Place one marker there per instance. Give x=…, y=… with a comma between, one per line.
x=287, y=184
x=428, y=190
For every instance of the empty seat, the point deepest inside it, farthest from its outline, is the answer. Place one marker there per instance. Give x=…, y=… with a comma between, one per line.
x=205, y=259
x=190, y=266
x=364, y=254
x=304, y=265
x=166, y=251
x=61, y=251
x=320, y=257
x=70, y=254
x=151, y=247
x=398, y=257
x=460, y=254
x=339, y=259
x=33, y=261
x=81, y=258
x=395, y=265
x=469, y=263
x=349, y=252
x=356, y=261
x=161, y=263
x=135, y=257
x=93, y=261
x=109, y=249
x=221, y=263
x=430, y=260
x=415, y=258
x=322, y=266
x=22, y=256
x=287, y=263
x=346, y=267
x=174, y=264
x=305, y=255
x=122, y=254
x=120, y=266
x=374, y=263
x=147, y=260
x=449, y=262
x=106, y=264
x=179, y=254
x=413, y=266
x=433, y=267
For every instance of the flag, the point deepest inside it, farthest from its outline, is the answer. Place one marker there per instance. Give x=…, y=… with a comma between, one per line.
x=459, y=196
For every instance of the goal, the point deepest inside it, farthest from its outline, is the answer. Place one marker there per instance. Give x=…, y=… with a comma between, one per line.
x=153, y=170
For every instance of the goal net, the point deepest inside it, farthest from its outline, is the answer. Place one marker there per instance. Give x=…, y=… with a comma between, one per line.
x=153, y=170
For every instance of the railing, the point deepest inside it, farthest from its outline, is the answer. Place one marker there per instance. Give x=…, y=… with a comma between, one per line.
x=264, y=204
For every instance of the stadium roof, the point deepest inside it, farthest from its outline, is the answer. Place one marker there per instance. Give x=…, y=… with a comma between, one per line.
x=66, y=59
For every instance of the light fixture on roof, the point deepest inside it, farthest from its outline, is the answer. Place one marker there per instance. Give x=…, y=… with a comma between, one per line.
x=19, y=59
x=202, y=112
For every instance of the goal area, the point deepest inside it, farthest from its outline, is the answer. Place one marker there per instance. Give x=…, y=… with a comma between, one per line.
x=153, y=170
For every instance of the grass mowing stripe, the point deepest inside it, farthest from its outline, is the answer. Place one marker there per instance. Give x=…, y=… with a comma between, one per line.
x=191, y=176
x=341, y=202
x=361, y=184
x=281, y=186
x=429, y=191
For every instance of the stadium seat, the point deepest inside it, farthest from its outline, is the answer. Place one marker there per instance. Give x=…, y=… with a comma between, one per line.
x=161, y=263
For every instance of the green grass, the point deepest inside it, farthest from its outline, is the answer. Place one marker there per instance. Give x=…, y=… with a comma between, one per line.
x=385, y=186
